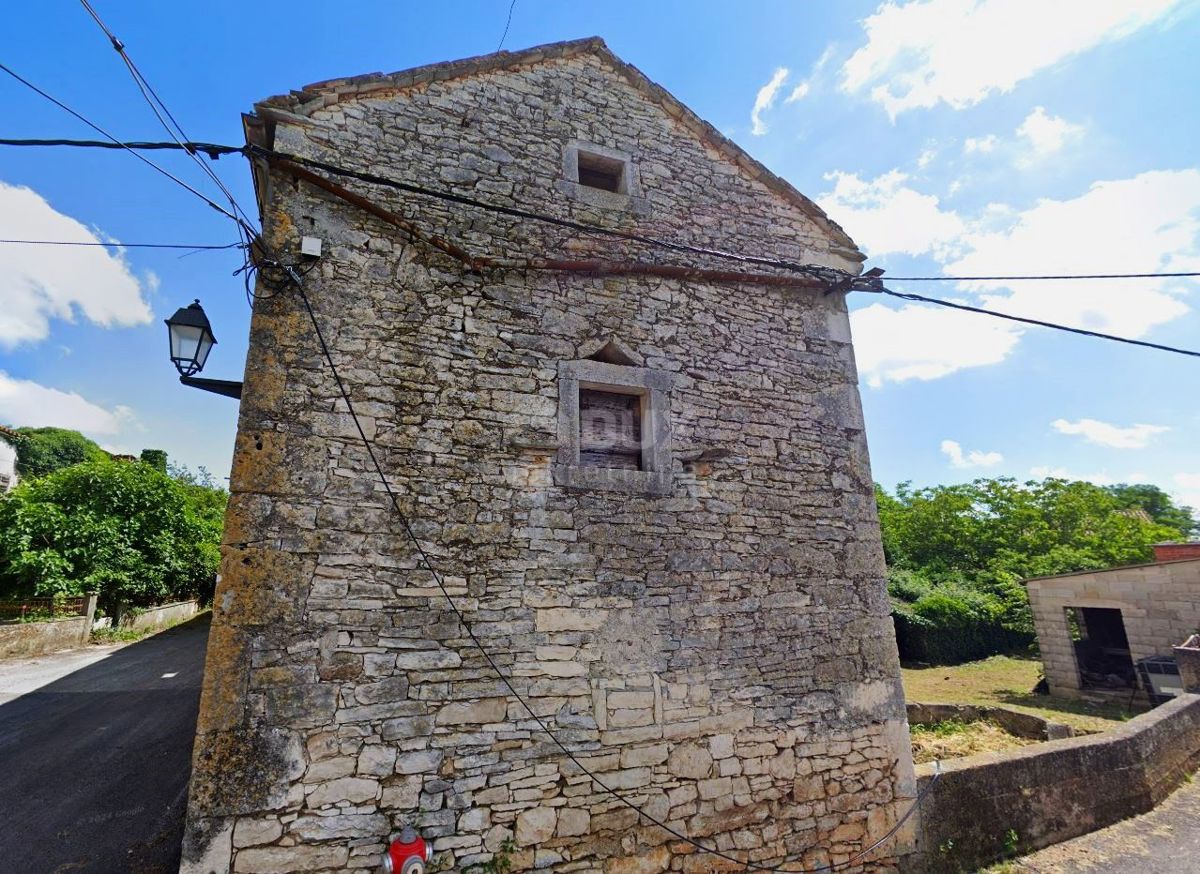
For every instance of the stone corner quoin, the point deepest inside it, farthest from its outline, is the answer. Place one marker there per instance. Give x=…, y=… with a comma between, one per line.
x=710, y=638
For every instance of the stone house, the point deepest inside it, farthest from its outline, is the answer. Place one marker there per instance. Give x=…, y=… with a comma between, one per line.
x=1093, y=627
x=641, y=475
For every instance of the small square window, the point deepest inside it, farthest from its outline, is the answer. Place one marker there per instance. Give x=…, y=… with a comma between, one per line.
x=610, y=429
x=614, y=427
x=597, y=171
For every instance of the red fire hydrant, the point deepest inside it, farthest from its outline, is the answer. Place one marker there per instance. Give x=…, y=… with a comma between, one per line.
x=407, y=854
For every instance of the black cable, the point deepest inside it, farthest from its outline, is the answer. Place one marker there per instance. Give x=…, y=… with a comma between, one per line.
x=213, y=150
x=437, y=577
x=245, y=227
x=508, y=22
x=216, y=150
x=826, y=273
x=113, y=139
x=1038, y=278
x=1037, y=322
x=123, y=245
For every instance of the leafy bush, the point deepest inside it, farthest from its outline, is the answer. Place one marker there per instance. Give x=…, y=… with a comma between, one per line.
x=126, y=530
x=44, y=450
x=957, y=554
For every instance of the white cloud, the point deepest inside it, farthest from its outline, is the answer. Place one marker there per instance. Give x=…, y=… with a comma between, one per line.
x=885, y=215
x=1150, y=223
x=799, y=92
x=958, y=52
x=980, y=144
x=38, y=284
x=954, y=451
x=1047, y=133
x=1113, y=436
x=765, y=100
x=1187, y=489
x=924, y=342
x=27, y=403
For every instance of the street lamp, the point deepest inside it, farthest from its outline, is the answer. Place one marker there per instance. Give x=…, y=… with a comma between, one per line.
x=191, y=339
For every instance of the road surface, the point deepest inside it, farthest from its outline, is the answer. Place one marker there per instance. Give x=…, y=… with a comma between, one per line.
x=95, y=754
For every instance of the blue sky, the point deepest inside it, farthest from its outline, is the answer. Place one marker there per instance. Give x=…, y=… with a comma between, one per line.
x=949, y=137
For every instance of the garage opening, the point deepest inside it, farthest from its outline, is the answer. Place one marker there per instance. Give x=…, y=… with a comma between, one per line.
x=1101, y=648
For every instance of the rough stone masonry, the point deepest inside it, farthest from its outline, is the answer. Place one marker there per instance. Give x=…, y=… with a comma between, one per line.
x=649, y=496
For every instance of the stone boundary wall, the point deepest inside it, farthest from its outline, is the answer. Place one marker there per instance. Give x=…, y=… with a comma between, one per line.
x=28, y=639
x=156, y=617
x=1024, y=725
x=1052, y=792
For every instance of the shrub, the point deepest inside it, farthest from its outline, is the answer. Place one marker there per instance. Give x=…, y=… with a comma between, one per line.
x=127, y=531
x=44, y=450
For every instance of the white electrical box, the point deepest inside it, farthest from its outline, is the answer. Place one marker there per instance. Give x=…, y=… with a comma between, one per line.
x=310, y=247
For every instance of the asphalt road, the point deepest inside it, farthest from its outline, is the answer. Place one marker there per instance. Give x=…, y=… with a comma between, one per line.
x=1164, y=841
x=94, y=764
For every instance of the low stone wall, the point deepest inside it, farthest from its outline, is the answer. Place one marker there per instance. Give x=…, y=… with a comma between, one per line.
x=1024, y=725
x=156, y=617
x=1052, y=792
x=28, y=639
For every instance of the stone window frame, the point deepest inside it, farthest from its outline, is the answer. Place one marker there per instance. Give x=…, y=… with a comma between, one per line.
x=629, y=198
x=655, y=387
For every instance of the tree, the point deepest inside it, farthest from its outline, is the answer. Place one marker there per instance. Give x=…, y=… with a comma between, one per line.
x=45, y=450
x=1157, y=504
x=156, y=458
x=127, y=531
x=957, y=554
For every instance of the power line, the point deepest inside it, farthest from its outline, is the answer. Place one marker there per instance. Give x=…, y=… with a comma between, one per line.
x=213, y=150
x=842, y=279
x=152, y=99
x=197, y=247
x=216, y=150
x=507, y=22
x=1039, y=278
x=1038, y=322
x=113, y=139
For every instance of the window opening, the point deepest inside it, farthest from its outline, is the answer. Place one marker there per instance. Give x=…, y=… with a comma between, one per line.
x=610, y=429
x=597, y=171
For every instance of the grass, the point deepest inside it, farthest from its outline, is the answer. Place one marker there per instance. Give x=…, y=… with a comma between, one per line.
x=953, y=739
x=1007, y=682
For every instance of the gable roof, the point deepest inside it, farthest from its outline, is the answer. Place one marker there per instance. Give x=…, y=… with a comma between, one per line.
x=298, y=105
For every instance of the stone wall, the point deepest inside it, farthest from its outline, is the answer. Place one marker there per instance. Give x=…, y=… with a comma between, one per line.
x=156, y=617
x=28, y=639
x=715, y=646
x=1159, y=604
x=1024, y=725
x=1052, y=792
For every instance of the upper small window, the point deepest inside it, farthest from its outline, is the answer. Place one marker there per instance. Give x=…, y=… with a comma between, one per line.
x=603, y=177
x=598, y=171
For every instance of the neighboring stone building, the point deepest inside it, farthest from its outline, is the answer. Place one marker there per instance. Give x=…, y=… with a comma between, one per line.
x=1093, y=627
x=647, y=490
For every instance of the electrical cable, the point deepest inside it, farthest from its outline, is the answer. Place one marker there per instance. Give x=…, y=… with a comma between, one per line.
x=245, y=226
x=1038, y=322
x=297, y=282
x=213, y=150
x=515, y=212
x=216, y=150
x=507, y=23
x=1039, y=278
x=120, y=144
x=123, y=245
